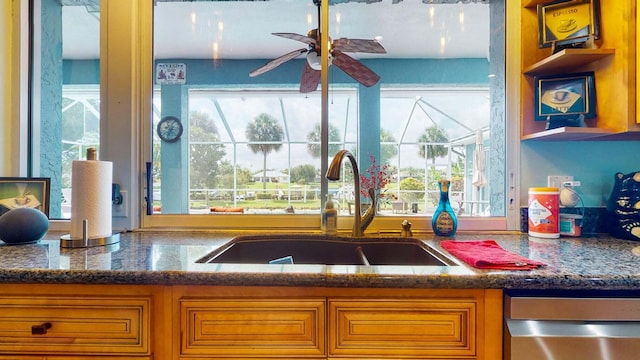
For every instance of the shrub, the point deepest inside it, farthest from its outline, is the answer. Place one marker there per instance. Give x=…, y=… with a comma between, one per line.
x=411, y=190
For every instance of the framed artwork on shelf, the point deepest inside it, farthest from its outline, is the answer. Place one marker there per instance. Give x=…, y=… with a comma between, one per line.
x=568, y=24
x=565, y=100
x=17, y=192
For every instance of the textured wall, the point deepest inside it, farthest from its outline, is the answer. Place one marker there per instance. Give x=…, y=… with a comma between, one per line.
x=50, y=141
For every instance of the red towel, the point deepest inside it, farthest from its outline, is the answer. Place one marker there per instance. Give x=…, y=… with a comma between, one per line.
x=487, y=254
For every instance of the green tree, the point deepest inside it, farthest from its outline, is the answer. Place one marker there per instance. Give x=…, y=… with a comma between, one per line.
x=307, y=173
x=225, y=175
x=313, y=139
x=265, y=135
x=206, y=154
x=411, y=189
x=413, y=172
x=202, y=121
x=387, y=151
x=433, y=134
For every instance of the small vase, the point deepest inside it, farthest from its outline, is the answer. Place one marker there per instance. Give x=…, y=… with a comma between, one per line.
x=444, y=221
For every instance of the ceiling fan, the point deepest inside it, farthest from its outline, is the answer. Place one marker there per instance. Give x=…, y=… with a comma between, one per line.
x=337, y=48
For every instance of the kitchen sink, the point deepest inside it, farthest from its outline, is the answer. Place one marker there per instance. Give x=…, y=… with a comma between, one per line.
x=328, y=250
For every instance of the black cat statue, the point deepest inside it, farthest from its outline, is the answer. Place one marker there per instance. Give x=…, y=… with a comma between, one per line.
x=623, y=207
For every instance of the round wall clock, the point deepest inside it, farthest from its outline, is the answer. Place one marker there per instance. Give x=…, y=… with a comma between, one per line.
x=169, y=129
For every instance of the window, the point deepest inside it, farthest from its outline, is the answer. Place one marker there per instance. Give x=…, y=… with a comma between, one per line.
x=203, y=54
x=443, y=84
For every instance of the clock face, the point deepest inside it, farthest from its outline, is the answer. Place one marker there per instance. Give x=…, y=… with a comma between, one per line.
x=169, y=129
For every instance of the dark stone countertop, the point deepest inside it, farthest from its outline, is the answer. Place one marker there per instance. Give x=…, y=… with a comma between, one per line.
x=169, y=258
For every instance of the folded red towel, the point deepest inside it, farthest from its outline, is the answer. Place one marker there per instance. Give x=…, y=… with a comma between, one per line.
x=487, y=254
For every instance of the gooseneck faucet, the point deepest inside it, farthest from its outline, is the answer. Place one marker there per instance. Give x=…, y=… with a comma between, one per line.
x=360, y=222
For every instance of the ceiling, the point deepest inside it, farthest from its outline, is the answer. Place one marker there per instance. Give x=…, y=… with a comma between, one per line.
x=242, y=29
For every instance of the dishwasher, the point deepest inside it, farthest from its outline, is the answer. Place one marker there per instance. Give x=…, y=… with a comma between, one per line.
x=570, y=326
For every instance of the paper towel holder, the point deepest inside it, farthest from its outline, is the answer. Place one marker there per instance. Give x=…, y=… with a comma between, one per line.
x=67, y=242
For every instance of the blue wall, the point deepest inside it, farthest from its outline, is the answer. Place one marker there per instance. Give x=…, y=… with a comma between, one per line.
x=224, y=72
x=593, y=163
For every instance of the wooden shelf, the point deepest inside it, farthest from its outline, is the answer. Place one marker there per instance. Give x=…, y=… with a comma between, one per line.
x=616, y=93
x=534, y=3
x=569, y=133
x=567, y=59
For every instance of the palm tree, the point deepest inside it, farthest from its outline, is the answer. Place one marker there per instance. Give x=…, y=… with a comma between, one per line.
x=265, y=135
x=387, y=151
x=433, y=134
x=313, y=139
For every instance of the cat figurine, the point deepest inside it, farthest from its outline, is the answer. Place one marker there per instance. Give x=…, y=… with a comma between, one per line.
x=623, y=207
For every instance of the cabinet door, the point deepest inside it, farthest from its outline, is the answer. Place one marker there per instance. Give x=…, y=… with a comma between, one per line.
x=402, y=328
x=65, y=325
x=252, y=328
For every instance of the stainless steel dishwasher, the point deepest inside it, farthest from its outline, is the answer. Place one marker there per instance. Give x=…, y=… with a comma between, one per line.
x=542, y=327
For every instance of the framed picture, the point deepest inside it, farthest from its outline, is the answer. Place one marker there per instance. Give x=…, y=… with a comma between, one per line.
x=568, y=23
x=565, y=97
x=18, y=192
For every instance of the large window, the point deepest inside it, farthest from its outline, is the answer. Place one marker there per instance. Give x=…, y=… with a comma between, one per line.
x=422, y=122
x=251, y=144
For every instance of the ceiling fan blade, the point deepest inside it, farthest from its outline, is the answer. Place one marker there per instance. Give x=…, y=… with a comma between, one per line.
x=310, y=79
x=277, y=62
x=358, y=45
x=355, y=69
x=293, y=36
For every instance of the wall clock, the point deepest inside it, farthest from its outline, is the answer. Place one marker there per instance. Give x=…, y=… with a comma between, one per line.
x=169, y=129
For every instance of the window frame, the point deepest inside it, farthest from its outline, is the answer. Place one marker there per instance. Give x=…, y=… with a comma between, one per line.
x=126, y=102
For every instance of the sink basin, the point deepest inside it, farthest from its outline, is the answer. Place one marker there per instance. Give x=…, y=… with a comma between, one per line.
x=329, y=250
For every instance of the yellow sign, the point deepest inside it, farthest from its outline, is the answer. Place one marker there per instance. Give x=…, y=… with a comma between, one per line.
x=566, y=21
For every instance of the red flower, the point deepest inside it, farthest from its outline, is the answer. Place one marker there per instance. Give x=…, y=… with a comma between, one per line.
x=374, y=178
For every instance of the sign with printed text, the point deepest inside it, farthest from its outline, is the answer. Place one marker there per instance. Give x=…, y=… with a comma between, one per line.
x=171, y=74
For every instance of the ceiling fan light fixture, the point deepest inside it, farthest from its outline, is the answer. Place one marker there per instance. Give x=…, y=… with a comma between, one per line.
x=315, y=61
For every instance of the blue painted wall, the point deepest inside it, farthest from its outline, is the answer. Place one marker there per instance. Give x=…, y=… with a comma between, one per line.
x=224, y=72
x=593, y=163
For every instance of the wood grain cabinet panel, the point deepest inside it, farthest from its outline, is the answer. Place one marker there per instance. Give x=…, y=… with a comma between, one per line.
x=402, y=328
x=74, y=325
x=253, y=328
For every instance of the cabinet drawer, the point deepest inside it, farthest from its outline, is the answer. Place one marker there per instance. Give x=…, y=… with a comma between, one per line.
x=246, y=328
x=402, y=328
x=74, y=325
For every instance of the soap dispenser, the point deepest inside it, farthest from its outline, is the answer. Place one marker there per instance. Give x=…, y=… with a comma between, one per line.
x=444, y=220
x=330, y=217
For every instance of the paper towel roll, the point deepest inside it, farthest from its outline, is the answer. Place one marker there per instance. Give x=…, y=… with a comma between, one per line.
x=91, y=198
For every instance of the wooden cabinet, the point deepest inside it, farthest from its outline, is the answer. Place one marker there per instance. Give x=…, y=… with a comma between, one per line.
x=442, y=328
x=77, y=322
x=238, y=327
x=325, y=323
x=82, y=322
x=614, y=65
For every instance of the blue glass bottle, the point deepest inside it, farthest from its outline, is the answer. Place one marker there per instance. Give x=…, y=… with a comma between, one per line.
x=444, y=221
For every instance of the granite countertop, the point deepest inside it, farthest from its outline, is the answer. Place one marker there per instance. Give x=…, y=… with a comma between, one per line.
x=169, y=258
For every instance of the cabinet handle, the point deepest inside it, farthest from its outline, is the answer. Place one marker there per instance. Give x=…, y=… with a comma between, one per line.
x=40, y=329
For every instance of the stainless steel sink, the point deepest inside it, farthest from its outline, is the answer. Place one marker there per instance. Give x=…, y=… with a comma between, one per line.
x=329, y=250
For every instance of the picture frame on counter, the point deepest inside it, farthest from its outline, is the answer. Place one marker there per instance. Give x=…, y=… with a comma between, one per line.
x=568, y=24
x=565, y=100
x=25, y=192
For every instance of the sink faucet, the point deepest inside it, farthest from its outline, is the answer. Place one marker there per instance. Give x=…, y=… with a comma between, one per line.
x=360, y=222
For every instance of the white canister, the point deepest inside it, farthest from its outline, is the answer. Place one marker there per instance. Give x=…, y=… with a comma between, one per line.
x=544, y=212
